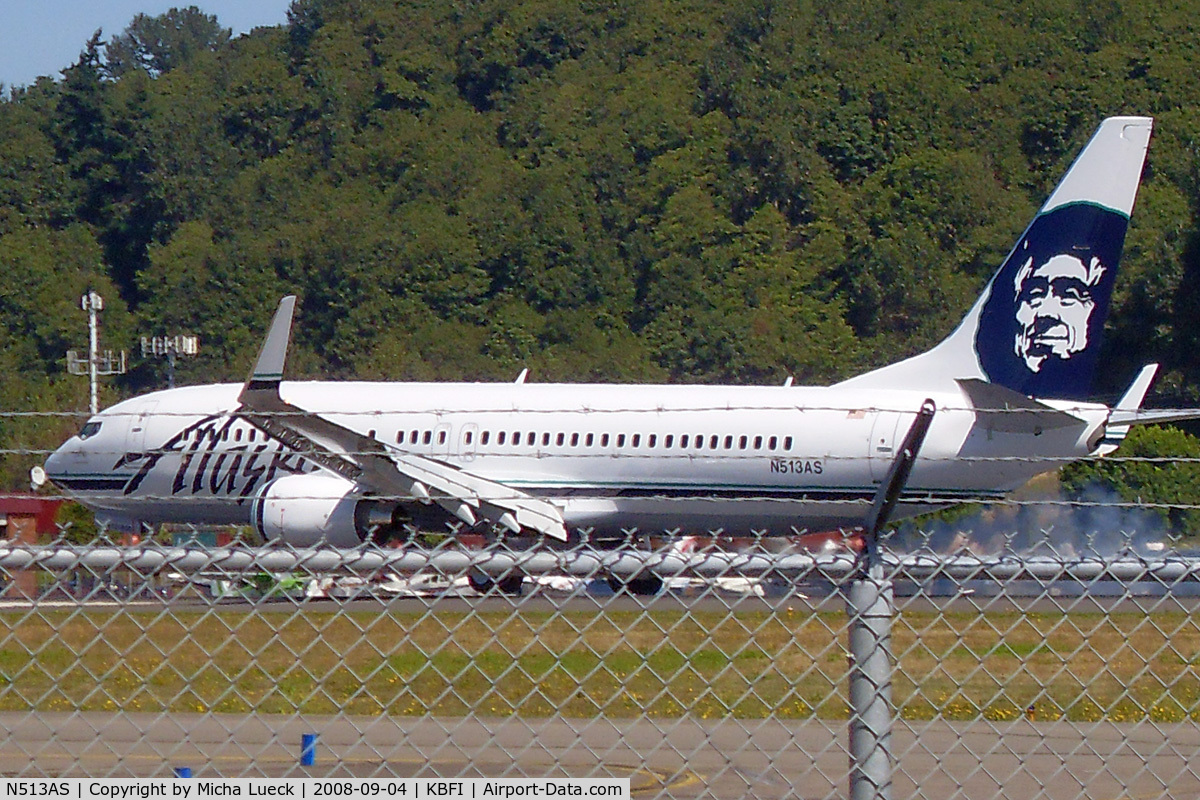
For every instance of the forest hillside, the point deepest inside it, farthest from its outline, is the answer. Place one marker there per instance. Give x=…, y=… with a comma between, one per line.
x=654, y=191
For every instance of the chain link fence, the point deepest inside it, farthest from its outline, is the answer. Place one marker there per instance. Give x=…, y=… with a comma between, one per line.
x=1014, y=663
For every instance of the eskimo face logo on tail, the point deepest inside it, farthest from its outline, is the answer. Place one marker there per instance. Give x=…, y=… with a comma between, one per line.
x=1041, y=327
x=1054, y=307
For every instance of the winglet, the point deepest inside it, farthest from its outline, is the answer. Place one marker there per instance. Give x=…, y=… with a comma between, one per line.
x=1126, y=410
x=1135, y=395
x=268, y=369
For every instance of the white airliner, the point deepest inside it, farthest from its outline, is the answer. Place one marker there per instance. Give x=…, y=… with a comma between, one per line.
x=311, y=463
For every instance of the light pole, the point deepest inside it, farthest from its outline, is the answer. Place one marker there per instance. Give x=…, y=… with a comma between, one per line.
x=170, y=347
x=95, y=364
x=92, y=303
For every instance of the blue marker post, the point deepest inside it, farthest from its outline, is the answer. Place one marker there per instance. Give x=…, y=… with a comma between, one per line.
x=183, y=772
x=308, y=749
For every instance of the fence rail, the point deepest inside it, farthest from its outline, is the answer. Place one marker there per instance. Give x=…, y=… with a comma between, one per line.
x=584, y=561
x=753, y=672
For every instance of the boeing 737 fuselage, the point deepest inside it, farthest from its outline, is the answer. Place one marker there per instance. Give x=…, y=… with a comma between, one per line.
x=318, y=462
x=694, y=458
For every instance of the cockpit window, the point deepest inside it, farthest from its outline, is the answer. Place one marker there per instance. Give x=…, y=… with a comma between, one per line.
x=89, y=430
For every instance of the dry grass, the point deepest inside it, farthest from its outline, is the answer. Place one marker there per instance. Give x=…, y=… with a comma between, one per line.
x=660, y=664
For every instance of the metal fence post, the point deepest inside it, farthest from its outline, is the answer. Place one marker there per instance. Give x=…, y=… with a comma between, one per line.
x=870, y=609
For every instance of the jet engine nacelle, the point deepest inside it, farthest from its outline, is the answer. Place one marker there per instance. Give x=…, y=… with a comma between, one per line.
x=309, y=510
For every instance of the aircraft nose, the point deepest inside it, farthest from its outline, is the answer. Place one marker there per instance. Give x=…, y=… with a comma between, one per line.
x=57, y=463
x=70, y=458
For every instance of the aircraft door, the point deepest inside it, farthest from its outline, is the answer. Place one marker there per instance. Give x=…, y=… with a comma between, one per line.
x=881, y=448
x=135, y=439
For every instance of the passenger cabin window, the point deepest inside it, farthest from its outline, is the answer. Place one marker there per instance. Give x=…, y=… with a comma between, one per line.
x=758, y=443
x=558, y=440
x=713, y=441
x=483, y=437
x=604, y=440
x=468, y=437
x=428, y=437
x=530, y=439
x=574, y=440
x=728, y=442
x=668, y=440
x=651, y=440
x=591, y=437
x=636, y=441
x=500, y=437
x=683, y=440
x=773, y=442
x=787, y=443
x=545, y=440
x=620, y=440
x=441, y=437
x=741, y=443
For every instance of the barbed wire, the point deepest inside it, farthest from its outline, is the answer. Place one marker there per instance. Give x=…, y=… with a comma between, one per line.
x=612, y=453
x=442, y=411
x=914, y=497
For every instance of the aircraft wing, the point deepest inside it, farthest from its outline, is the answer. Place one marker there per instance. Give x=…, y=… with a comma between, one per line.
x=375, y=466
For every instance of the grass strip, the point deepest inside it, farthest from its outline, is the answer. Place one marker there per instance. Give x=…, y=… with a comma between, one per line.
x=1118, y=667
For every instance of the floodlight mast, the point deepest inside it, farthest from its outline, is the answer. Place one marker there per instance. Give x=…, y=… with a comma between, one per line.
x=92, y=303
x=93, y=366
x=170, y=347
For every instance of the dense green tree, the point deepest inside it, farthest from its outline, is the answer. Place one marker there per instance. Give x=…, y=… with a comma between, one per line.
x=634, y=191
x=159, y=44
x=1157, y=465
x=43, y=274
x=33, y=183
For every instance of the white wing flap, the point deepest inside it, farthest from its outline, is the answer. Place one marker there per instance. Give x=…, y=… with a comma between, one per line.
x=494, y=501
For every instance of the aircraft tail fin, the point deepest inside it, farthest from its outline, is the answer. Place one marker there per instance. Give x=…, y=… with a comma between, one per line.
x=1036, y=329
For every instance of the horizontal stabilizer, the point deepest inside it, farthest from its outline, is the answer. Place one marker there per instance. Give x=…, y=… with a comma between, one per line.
x=1152, y=416
x=1006, y=411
